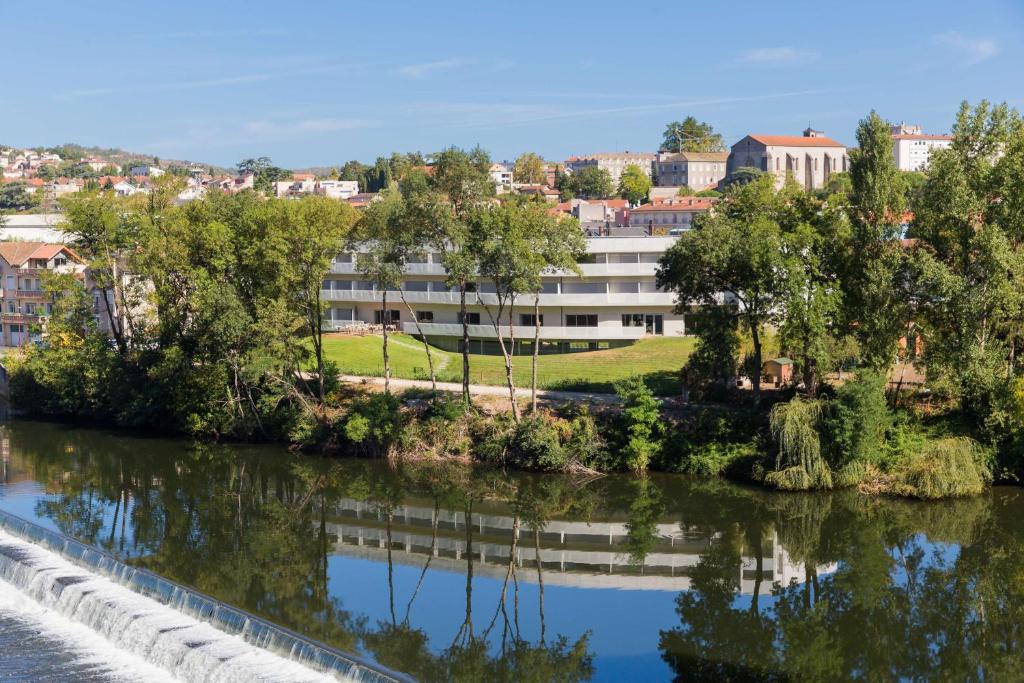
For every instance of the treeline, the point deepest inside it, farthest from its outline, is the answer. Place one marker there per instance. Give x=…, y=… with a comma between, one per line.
x=881, y=267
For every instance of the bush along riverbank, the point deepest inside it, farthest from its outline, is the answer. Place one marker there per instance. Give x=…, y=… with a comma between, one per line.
x=847, y=437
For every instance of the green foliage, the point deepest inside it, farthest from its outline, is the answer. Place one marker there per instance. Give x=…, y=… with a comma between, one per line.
x=690, y=135
x=946, y=468
x=589, y=182
x=799, y=464
x=634, y=184
x=857, y=421
x=529, y=168
x=641, y=415
x=374, y=424
x=710, y=371
x=536, y=445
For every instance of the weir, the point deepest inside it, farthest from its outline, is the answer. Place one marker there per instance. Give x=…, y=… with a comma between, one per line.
x=193, y=636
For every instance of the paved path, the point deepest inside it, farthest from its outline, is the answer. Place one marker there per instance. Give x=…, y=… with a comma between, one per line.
x=486, y=389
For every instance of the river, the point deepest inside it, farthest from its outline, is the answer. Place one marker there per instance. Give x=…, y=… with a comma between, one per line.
x=432, y=570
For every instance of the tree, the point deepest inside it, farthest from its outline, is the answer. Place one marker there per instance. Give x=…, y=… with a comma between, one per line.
x=381, y=258
x=463, y=177
x=101, y=231
x=634, y=184
x=968, y=266
x=14, y=196
x=590, y=182
x=735, y=251
x=502, y=239
x=689, y=135
x=529, y=169
x=641, y=414
x=266, y=174
x=560, y=242
x=318, y=227
x=874, y=297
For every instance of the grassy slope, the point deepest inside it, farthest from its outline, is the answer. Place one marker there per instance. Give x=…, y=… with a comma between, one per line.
x=658, y=359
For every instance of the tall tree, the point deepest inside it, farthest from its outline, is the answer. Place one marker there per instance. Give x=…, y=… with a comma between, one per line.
x=634, y=184
x=874, y=297
x=690, y=135
x=969, y=265
x=529, y=168
x=591, y=182
x=463, y=177
x=318, y=227
x=737, y=253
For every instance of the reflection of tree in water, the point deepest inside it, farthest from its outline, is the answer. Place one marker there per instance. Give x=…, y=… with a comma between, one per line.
x=901, y=602
x=252, y=531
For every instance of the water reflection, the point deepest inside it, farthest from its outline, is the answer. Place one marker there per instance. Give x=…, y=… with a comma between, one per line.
x=450, y=574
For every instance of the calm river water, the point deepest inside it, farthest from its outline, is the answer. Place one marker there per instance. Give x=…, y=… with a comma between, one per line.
x=434, y=570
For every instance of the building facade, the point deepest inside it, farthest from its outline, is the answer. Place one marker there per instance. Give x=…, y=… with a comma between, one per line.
x=614, y=303
x=666, y=216
x=25, y=304
x=613, y=162
x=911, y=147
x=694, y=170
x=810, y=159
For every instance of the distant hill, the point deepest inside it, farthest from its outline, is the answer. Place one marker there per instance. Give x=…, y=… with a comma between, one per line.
x=71, y=151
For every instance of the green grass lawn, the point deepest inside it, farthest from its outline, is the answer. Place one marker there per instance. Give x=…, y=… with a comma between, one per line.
x=658, y=359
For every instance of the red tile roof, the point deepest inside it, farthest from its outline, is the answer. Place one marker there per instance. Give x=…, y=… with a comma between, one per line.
x=678, y=204
x=795, y=141
x=18, y=253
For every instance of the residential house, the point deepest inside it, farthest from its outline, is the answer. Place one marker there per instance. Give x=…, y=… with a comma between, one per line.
x=669, y=216
x=501, y=176
x=337, y=189
x=911, y=147
x=549, y=194
x=25, y=305
x=693, y=170
x=146, y=170
x=613, y=162
x=810, y=159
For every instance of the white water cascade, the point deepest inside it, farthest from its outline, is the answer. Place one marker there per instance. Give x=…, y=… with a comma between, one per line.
x=176, y=629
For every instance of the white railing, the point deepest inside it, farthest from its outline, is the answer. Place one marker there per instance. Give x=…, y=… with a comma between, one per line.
x=524, y=302
x=526, y=332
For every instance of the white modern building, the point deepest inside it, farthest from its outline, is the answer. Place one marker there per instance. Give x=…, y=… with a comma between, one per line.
x=613, y=162
x=911, y=147
x=614, y=303
x=810, y=159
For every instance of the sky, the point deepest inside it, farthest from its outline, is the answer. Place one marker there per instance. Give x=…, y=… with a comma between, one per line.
x=320, y=82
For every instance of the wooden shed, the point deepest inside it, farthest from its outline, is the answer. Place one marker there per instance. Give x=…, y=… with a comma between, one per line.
x=778, y=371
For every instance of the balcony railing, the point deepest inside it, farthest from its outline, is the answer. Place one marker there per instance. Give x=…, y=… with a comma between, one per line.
x=522, y=332
x=603, y=299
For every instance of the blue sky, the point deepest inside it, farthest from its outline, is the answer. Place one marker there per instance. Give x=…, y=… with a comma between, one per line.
x=320, y=82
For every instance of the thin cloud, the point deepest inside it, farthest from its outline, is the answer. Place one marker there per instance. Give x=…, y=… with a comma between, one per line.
x=424, y=69
x=223, y=33
x=776, y=56
x=972, y=49
x=199, y=84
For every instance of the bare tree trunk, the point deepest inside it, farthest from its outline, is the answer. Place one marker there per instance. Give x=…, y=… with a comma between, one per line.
x=536, y=352
x=316, y=323
x=384, y=329
x=756, y=379
x=496, y=323
x=465, y=344
x=423, y=338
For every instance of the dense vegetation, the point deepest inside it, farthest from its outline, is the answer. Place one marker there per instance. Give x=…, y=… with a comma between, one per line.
x=224, y=333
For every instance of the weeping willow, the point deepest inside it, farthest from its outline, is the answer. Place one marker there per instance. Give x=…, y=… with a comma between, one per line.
x=798, y=465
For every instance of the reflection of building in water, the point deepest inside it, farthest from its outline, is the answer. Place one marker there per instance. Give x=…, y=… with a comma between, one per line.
x=583, y=554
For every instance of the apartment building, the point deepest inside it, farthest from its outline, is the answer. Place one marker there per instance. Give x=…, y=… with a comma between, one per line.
x=25, y=305
x=911, y=147
x=669, y=216
x=613, y=162
x=694, y=170
x=614, y=302
x=810, y=159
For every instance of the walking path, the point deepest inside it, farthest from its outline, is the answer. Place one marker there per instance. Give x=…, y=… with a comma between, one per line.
x=486, y=389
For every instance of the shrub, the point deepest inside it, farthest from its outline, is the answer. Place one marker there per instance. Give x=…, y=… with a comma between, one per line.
x=536, y=445
x=583, y=442
x=799, y=464
x=855, y=423
x=950, y=467
x=641, y=415
x=374, y=423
